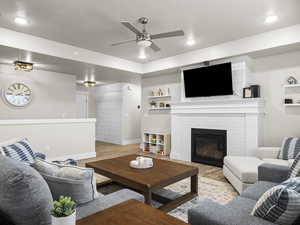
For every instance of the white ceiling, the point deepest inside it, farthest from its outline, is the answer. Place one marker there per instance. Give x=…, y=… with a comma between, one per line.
x=94, y=24
x=82, y=71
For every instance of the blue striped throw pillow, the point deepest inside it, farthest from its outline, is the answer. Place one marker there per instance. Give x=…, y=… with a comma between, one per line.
x=295, y=169
x=290, y=148
x=280, y=204
x=20, y=150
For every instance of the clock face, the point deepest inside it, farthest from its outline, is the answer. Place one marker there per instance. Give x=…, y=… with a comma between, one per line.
x=18, y=94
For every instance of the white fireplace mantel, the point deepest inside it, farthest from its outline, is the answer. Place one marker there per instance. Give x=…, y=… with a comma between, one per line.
x=224, y=106
x=241, y=118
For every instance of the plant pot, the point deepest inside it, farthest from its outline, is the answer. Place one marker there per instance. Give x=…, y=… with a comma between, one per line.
x=68, y=220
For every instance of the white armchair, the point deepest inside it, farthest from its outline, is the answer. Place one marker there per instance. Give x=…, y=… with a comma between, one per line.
x=242, y=171
x=270, y=154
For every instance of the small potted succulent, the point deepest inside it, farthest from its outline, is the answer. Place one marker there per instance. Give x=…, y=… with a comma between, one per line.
x=64, y=211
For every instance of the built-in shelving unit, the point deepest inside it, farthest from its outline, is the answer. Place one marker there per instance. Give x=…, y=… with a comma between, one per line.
x=163, y=96
x=157, y=143
x=160, y=108
x=291, y=85
x=292, y=91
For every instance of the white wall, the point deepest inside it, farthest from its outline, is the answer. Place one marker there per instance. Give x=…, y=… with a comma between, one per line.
x=118, y=119
x=270, y=72
x=131, y=115
x=53, y=94
x=57, y=138
x=154, y=120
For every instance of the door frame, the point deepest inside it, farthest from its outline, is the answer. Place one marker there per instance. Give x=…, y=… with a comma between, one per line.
x=85, y=93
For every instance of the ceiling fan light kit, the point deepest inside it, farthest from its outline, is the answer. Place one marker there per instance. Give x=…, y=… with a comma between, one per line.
x=145, y=39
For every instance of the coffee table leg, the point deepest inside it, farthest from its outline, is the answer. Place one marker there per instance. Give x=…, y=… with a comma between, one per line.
x=148, y=197
x=194, y=184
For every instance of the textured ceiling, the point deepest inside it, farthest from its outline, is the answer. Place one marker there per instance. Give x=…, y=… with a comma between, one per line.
x=94, y=24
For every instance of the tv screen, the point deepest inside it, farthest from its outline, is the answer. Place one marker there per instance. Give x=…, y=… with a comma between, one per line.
x=208, y=81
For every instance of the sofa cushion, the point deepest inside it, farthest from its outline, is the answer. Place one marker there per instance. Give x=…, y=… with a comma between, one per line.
x=234, y=213
x=19, y=149
x=76, y=182
x=256, y=190
x=279, y=162
x=106, y=201
x=295, y=169
x=245, y=168
x=280, y=204
x=25, y=197
x=290, y=148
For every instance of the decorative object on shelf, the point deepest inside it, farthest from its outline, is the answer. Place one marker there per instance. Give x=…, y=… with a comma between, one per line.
x=251, y=92
x=23, y=66
x=288, y=101
x=161, y=104
x=153, y=104
x=247, y=92
x=292, y=80
x=64, y=211
x=160, y=92
x=141, y=162
x=255, y=90
x=18, y=94
x=168, y=105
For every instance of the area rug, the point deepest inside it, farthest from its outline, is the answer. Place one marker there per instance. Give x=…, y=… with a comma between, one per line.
x=218, y=191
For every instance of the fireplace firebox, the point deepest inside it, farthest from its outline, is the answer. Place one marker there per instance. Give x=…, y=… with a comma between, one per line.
x=209, y=146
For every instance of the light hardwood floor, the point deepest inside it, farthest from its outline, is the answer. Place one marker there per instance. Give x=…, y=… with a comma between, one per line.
x=107, y=151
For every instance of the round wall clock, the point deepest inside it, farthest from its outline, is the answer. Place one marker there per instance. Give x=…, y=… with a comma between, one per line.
x=18, y=94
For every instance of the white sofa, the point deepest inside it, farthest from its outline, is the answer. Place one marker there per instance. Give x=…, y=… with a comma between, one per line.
x=242, y=172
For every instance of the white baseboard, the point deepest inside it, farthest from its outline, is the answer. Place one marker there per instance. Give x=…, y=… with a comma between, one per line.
x=131, y=141
x=87, y=155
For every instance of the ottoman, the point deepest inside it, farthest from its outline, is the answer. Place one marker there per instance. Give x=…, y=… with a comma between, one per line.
x=240, y=171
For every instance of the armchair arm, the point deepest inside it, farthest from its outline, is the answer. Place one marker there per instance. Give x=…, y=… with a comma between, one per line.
x=273, y=173
x=213, y=213
x=268, y=152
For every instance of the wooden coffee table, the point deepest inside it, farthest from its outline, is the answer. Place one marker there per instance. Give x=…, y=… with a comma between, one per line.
x=130, y=212
x=146, y=181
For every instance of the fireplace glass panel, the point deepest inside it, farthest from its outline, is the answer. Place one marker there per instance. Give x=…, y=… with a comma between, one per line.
x=208, y=146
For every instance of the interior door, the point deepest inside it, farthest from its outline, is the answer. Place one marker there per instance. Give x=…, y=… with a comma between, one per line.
x=82, y=105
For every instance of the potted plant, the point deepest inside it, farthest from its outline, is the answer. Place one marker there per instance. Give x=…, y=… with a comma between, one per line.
x=64, y=211
x=153, y=104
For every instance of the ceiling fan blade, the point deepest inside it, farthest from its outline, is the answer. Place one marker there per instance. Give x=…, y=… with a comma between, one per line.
x=154, y=47
x=168, y=34
x=122, y=42
x=131, y=27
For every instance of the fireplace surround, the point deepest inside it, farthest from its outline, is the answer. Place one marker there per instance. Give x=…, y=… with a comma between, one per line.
x=241, y=118
x=208, y=146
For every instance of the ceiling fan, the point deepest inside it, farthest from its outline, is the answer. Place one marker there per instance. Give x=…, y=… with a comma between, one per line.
x=145, y=39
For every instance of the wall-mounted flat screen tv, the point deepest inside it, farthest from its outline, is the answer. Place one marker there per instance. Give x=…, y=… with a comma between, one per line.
x=208, y=81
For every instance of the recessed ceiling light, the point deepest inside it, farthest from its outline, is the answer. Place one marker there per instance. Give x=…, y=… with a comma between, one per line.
x=271, y=19
x=190, y=42
x=21, y=21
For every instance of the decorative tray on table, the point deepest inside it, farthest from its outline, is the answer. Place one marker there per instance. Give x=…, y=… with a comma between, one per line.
x=141, y=163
